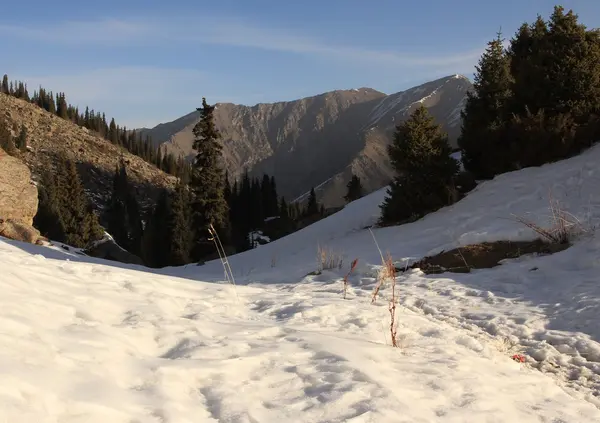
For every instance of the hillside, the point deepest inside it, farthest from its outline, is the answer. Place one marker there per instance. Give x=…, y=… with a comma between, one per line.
x=96, y=158
x=322, y=139
x=86, y=341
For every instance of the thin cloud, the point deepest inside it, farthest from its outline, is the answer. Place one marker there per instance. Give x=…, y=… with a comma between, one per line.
x=226, y=32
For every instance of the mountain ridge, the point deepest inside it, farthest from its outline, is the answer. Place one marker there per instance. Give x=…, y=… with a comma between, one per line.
x=326, y=137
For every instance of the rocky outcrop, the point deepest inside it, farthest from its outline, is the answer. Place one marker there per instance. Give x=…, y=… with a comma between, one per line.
x=20, y=231
x=108, y=249
x=18, y=193
x=18, y=201
x=321, y=140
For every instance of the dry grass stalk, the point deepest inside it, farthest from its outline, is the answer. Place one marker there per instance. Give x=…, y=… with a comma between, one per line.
x=352, y=266
x=564, y=226
x=328, y=259
x=391, y=272
x=223, y=256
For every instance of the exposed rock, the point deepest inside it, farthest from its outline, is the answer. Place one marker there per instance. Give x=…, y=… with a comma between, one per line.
x=18, y=193
x=20, y=231
x=321, y=140
x=108, y=249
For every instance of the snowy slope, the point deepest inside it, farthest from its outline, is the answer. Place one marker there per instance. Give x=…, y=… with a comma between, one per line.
x=84, y=340
x=93, y=343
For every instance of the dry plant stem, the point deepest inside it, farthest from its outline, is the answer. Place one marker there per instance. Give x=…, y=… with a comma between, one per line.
x=563, y=225
x=328, y=259
x=392, y=307
x=380, y=276
x=223, y=256
x=352, y=266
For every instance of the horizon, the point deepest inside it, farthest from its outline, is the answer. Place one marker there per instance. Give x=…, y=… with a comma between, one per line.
x=145, y=65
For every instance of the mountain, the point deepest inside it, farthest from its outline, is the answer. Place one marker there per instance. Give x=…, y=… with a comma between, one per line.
x=320, y=140
x=96, y=158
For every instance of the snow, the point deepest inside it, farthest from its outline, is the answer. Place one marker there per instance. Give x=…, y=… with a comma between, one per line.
x=86, y=340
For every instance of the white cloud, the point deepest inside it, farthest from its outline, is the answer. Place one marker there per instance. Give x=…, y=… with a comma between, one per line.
x=224, y=31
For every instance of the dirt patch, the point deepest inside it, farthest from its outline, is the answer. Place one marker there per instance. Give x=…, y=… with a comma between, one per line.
x=484, y=256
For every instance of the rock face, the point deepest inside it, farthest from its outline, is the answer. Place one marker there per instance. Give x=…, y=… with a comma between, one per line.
x=320, y=141
x=20, y=231
x=18, y=193
x=18, y=200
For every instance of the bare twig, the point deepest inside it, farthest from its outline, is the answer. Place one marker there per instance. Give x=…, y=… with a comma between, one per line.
x=352, y=266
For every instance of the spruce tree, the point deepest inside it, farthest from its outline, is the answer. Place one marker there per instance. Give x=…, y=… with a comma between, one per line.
x=180, y=227
x=207, y=182
x=4, y=88
x=47, y=219
x=420, y=156
x=355, y=189
x=312, y=207
x=75, y=211
x=123, y=214
x=483, y=147
x=156, y=240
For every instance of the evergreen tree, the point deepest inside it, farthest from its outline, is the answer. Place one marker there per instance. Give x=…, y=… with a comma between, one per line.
x=420, y=155
x=355, y=189
x=207, y=182
x=312, y=207
x=123, y=214
x=76, y=216
x=113, y=134
x=4, y=87
x=47, y=219
x=156, y=240
x=181, y=227
x=485, y=114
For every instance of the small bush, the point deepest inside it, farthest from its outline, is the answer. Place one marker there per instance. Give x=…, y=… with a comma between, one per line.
x=328, y=259
x=564, y=227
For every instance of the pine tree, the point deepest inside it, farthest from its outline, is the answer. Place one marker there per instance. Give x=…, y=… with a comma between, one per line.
x=207, y=182
x=77, y=218
x=355, y=189
x=113, y=134
x=420, y=156
x=4, y=87
x=47, y=219
x=312, y=207
x=123, y=214
x=181, y=227
x=156, y=240
x=485, y=114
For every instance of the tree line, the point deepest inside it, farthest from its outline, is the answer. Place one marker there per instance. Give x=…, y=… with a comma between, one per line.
x=534, y=102
x=130, y=140
x=175, y=231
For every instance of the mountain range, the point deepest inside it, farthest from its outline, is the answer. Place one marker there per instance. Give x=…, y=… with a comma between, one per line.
x=319, y=141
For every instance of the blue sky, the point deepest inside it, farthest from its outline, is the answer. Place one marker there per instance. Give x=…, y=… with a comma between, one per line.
x=146, y=62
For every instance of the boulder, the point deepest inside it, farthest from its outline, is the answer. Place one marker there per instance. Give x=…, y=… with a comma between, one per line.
x=20, y=231
x=108, y=249
x=18, y=193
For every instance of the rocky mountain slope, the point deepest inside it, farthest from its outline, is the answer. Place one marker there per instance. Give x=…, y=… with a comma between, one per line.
x=96, y=158
x=321, y=140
